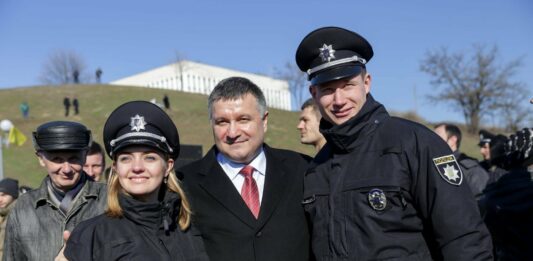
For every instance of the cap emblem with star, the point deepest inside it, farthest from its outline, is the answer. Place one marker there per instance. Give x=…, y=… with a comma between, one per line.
x=137, y=123
x=327, y=52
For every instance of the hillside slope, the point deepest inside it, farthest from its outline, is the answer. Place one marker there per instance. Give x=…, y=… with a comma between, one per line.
x=189, y=112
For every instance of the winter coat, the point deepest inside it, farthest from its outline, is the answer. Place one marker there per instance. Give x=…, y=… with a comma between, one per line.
x=3, y=221
x=35, y=226
x=147, y=231
x=384, y=188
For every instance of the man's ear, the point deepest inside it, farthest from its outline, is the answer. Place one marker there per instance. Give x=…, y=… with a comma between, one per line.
x=312, y=90
x=40, y=157
x=367, y=82
x=265, y=121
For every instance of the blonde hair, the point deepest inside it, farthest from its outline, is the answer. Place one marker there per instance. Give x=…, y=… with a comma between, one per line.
x=173, y=184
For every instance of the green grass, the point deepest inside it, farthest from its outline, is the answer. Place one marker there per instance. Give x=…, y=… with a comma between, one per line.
x=189, y=112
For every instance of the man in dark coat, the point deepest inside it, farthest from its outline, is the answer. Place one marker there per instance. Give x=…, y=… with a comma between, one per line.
x=492, y=148
x=508, y=202
x=66, y=104
x=246, y=196
x=76, y=105
x=382, y=188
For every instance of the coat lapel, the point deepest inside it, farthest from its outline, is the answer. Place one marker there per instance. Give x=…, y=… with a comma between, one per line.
x=217, y=184
x=275, y=185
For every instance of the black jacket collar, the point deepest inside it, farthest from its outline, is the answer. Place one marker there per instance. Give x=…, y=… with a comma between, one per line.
x=152, y=215
x=347, y=136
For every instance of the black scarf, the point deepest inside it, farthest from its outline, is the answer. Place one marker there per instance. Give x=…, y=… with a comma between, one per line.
x=347, y=136
x=152, y=215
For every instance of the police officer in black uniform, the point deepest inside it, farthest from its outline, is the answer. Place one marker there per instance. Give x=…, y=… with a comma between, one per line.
x=508, y=202
x=382, y=187
x=491, y=147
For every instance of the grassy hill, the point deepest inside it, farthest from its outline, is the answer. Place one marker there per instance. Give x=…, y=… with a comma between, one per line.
x=189, y=112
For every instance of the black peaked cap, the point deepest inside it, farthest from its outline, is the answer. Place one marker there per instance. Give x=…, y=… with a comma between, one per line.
x=485, y=137
x=61, y=135
x=141, y=123
x=327, y=54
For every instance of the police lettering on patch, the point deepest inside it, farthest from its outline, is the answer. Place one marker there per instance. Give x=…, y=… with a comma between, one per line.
x=449, y=169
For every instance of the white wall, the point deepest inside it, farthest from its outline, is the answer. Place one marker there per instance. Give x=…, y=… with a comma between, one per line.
x=202, y=78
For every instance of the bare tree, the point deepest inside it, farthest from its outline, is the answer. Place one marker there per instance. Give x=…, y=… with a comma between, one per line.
x=514, y=110
x=297, y=81
x=475, y=85
x=63, y=67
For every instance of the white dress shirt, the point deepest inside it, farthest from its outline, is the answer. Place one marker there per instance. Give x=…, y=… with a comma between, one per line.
x=232, y=170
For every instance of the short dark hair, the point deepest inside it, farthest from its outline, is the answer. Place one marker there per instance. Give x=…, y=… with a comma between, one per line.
x=451, y=130
x=310, y=103
x=234, y=88
x=96, y=149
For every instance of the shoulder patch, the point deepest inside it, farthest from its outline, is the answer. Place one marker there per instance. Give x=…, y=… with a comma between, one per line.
x=449, y=169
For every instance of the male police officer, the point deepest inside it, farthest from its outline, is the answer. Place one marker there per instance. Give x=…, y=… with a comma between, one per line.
x=382, y=187
x=491, y=148
x=65, y=198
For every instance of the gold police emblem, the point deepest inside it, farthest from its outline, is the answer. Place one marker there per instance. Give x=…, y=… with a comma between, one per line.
x=377, y=199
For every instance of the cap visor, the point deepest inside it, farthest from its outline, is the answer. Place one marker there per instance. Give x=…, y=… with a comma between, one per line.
x=336, y=73
x=139, y=142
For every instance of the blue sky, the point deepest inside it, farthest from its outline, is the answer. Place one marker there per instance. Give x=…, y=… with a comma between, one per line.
x=127, y=37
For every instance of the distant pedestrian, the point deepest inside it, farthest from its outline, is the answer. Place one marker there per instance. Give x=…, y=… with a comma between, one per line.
x=66, y=103
x=24, y=109
x=76, y=76
x=166, y=102
x=98, y=75
x=76, y=106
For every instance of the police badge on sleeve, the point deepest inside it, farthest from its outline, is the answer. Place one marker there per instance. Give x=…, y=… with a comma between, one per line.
x=449, y=169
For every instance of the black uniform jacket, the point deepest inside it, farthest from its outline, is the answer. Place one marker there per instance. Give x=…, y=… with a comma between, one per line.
x=229, y=230
x=374, y=193
x=509, y=214
x=475, y=175
x=147, y=231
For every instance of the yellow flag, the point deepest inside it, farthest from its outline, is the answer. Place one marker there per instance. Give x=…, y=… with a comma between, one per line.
x=16, y=137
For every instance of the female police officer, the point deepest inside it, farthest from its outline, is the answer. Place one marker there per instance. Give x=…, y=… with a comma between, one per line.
x=147, y=215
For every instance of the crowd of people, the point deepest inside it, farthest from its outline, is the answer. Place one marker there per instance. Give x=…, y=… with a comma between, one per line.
x=378, y=188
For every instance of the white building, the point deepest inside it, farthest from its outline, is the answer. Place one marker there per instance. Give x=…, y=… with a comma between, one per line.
x=193, y=77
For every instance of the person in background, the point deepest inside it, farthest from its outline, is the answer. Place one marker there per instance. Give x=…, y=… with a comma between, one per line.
x=382, y=188
x=8, y=196
x=476, y=176
x=95, y=163
x=66, y=197
x=76, y=105
x=491, y=147
x=66, y=104
x=147, y=215
x=309, y=125
x=166, y=102
x=246, y=196
x=508, y=202
x=24, y=109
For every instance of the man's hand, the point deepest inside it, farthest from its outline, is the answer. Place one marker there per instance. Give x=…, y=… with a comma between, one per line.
x=60, y=256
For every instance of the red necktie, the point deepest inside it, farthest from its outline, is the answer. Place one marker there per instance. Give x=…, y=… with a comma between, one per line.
x=249, y=191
